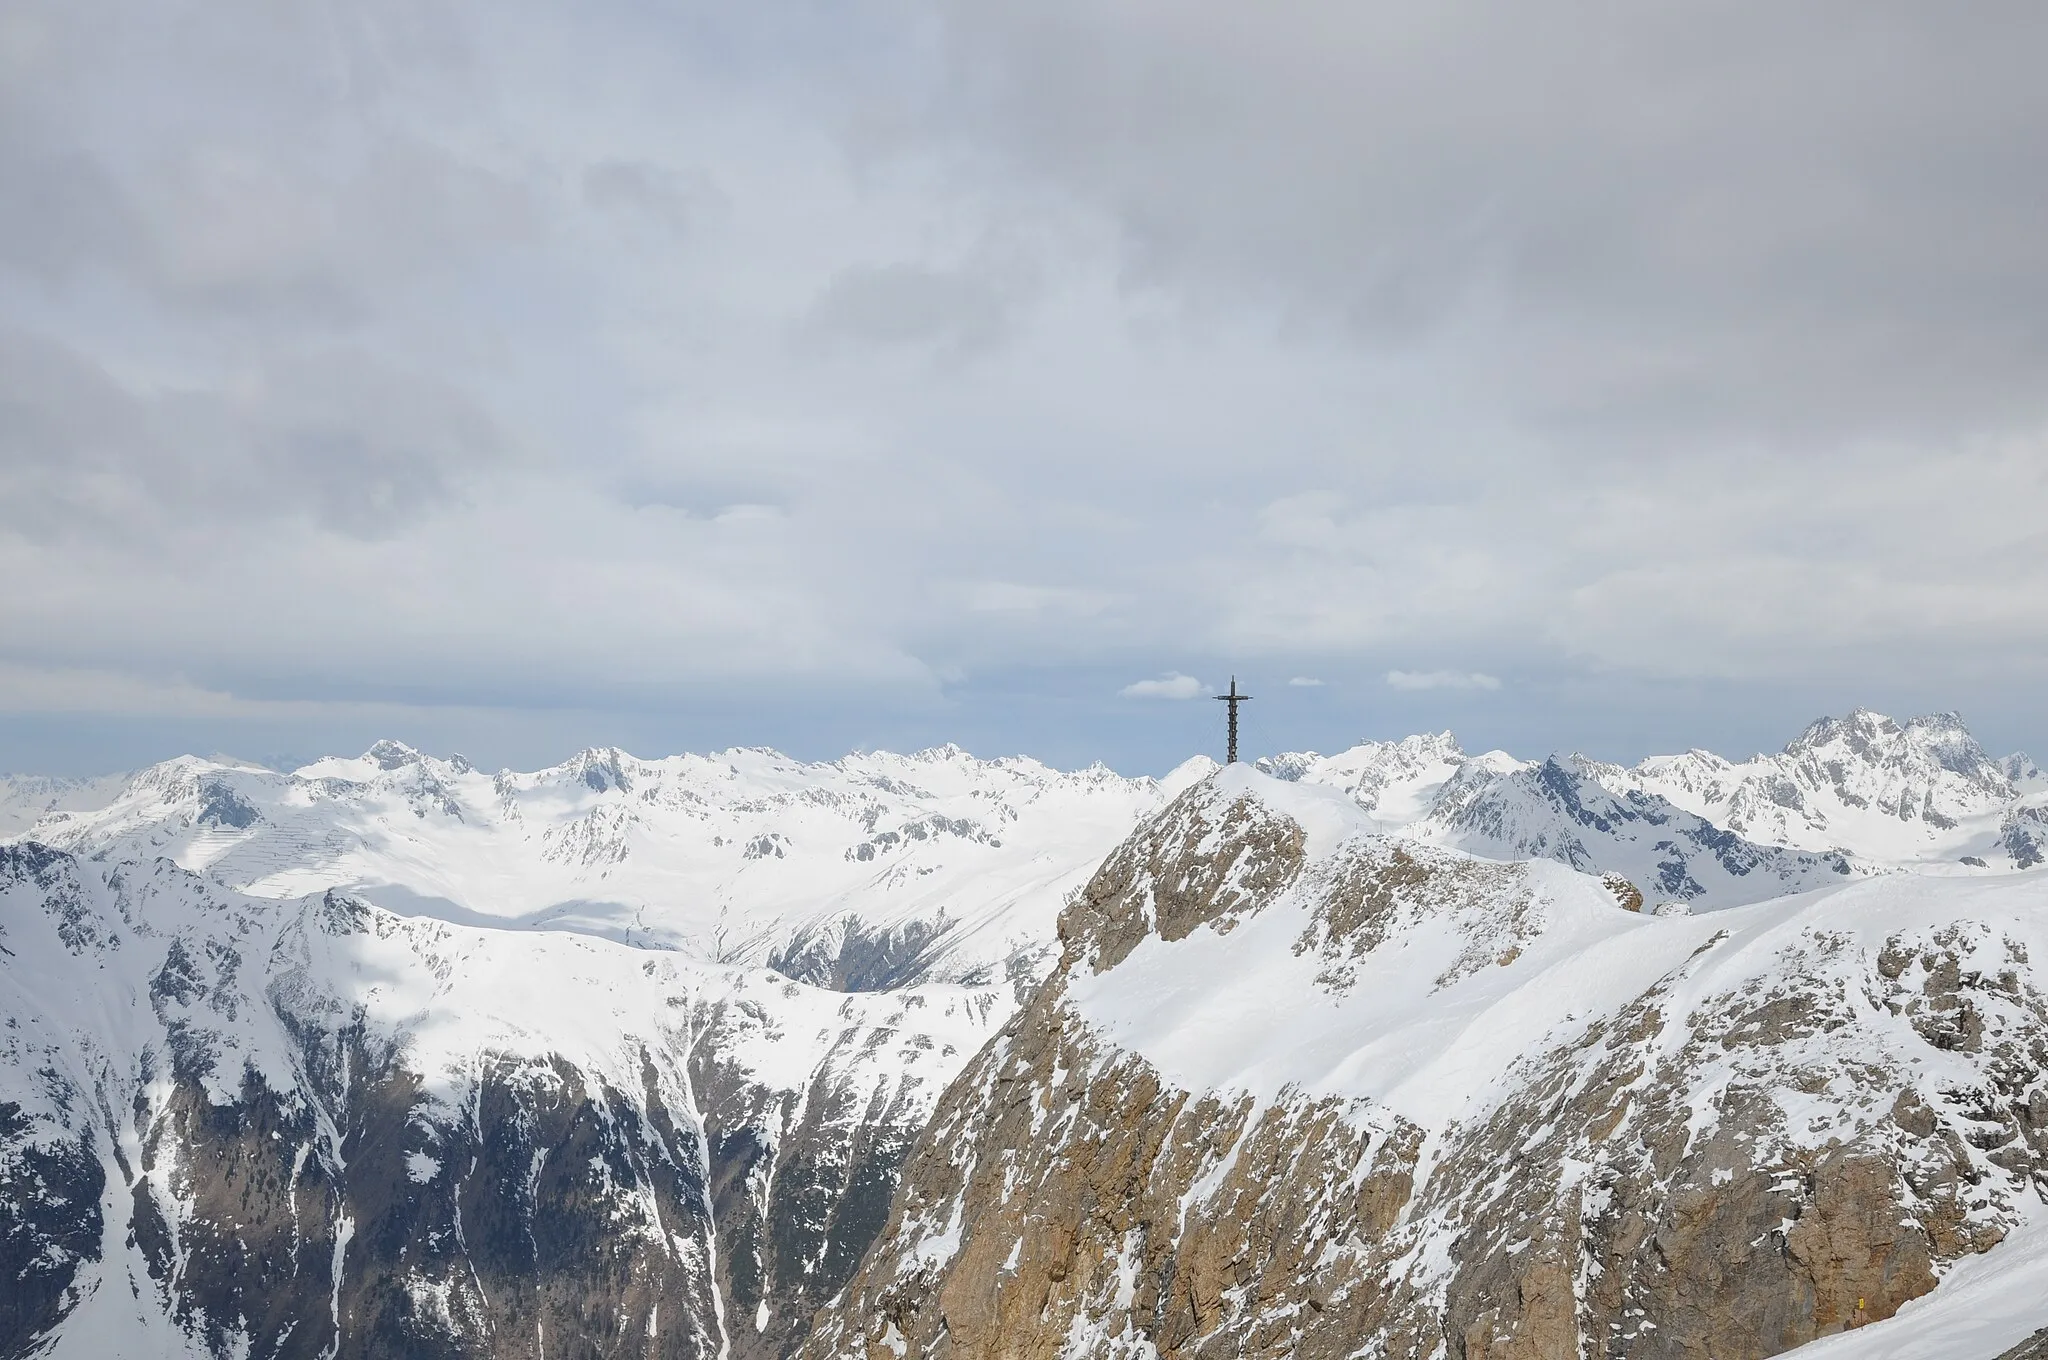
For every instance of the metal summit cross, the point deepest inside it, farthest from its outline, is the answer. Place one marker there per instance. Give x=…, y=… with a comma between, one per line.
x=1233, y=699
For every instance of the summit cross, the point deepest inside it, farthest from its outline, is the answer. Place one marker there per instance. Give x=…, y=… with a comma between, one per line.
x=1233, y=699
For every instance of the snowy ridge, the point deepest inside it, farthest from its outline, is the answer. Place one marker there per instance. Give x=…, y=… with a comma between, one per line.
x=1414, y=1023
x=1848, y=797
x=878, y=869
x=1891, y=792
x=1567, y=810
x=27, y=800
x=868, y=871
x=1397, y=1097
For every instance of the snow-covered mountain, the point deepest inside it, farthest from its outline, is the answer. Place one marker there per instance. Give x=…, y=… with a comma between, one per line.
x=620, y=1057
x=387, y=1055
x=1299, y=1089
x=1569, y=810
x=860, y=873
x=237, y=1126
x=26, y=799
x=1898, y=793
x=879, y=869
x=1398, y=783
x=1849, y=797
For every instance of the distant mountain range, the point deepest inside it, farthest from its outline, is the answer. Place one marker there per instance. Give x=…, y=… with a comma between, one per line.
x=1849, y=796
x=862, y=873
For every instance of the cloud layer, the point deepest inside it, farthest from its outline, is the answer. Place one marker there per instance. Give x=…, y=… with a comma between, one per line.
x=1172, y=685
x=1422, y=680
x=385, y=357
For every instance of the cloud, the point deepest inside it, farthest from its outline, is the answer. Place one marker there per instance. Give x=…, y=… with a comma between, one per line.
x=1685, y=269
x=84, y=690
x=1442, y=680
x=338, y=437
x=673, y=200
x=327, y=369
x=1307, y=682
x=65, y=211
x=905, y=304
x=1172, y=685
x=1009, y=597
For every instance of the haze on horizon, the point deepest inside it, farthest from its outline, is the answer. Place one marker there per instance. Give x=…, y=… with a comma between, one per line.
x=512, y=379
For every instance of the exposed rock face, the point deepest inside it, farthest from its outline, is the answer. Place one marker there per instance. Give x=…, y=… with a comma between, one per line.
x=236, y=1127
x=1064, y=1195
x=1646, y=1138
x=49, y=1223
x=2023, y=835
x=2034, y=1347
x=802, y=1177
x=847, y=956
x=555, y=1215
x=1203, y=861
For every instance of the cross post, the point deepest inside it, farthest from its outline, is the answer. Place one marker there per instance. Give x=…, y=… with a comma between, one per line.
x=1233, y=699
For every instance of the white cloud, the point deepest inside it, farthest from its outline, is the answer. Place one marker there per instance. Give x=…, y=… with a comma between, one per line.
x=1008, y=597
x=1306, y=682
x=1442, y=680
x=573, y=403
x=54, y=689
x=1172, y=685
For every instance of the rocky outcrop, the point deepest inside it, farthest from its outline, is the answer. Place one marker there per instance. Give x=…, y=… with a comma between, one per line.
x=848, y=955
x=1736, y=1141
x=2034, y=1347
x=1204, y=861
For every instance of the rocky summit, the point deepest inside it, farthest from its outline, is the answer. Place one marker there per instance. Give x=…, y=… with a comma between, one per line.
x=1399, y=1052
x=1302, y=1089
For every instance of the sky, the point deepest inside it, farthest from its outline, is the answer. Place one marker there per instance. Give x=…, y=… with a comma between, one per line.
x=511, y=378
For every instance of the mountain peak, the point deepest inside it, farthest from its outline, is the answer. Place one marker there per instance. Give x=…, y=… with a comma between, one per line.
x=1859, y=725
x=602, y=768
x=391, y=755
x=1932, y=741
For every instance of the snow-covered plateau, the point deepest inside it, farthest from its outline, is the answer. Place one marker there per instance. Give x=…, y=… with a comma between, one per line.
x=1393, y=1052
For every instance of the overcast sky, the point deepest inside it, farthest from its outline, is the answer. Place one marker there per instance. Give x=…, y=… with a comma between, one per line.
x=511, y=378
